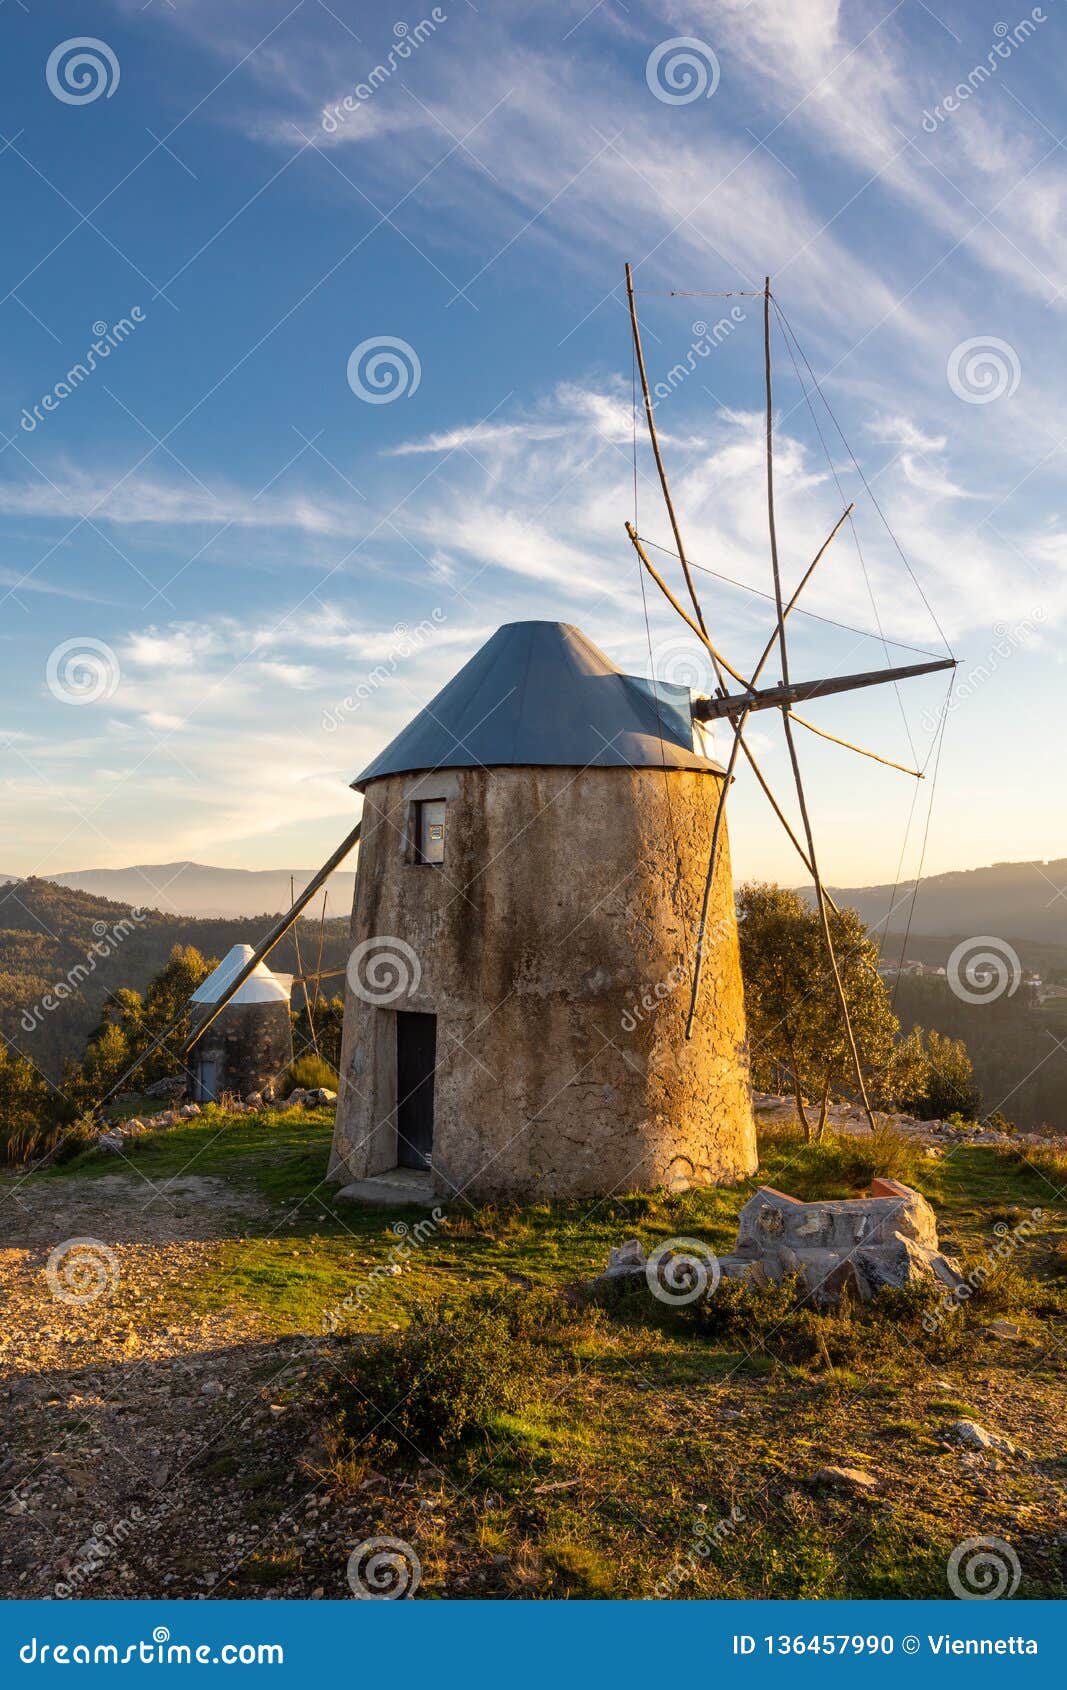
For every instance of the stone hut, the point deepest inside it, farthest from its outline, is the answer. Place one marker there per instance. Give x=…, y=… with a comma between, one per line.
x=531, y=868
x=251, y=1042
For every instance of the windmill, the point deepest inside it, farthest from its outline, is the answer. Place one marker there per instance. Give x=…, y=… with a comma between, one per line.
x=539, y=722
x=737, y=707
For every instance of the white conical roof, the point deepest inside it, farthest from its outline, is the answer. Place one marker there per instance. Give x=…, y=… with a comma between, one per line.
x=262, y=985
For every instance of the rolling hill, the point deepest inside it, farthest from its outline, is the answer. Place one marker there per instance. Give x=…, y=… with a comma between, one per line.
x=194, y=889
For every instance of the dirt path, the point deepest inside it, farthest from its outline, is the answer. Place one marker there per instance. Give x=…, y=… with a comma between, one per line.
x=119, y=1424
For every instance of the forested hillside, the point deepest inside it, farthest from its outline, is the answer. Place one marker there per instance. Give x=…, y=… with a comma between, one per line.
x=63, y=951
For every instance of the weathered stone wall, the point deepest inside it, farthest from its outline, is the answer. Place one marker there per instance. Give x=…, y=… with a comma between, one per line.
x=251, y=1042
x=555, y=947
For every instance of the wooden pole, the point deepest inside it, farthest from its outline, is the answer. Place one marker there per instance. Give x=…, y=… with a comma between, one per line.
x=300, y=971
x=720, y=808
x=783, y=647
x=799, y=692
x=278, y=931
x=848, y=745
x=658, y=456
x=783, y=818
x=701, y=633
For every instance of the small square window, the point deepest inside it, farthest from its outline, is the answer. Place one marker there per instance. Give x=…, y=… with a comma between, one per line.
x=430, y=830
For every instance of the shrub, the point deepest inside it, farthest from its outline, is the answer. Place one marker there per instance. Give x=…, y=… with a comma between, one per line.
x=459, y=1364
x=309, y=1072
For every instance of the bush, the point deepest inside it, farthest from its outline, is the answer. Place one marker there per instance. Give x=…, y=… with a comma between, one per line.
x=458, y=1365
x=308, y=1072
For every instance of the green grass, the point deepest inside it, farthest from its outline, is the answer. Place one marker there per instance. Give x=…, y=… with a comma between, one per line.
x=594, y=1473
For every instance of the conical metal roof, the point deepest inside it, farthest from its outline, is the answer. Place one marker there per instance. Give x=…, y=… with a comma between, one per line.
x=541, y=694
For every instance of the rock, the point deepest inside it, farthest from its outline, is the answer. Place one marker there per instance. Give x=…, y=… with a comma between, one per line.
x=135, y=1127
x=254, y=1100
x=323, y=1094
x=846, y=1478
x=188, y=1111
x=973, y=1436
x=172, y=1087
x=110, y=1141
x=211, y=1388
x=1006, y=1329
x=628, y=1255
x=841, y=1247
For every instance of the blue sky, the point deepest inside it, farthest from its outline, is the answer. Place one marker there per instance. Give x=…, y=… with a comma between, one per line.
x=214, y=539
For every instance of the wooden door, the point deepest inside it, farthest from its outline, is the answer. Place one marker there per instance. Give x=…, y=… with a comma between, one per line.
x=416, y=1055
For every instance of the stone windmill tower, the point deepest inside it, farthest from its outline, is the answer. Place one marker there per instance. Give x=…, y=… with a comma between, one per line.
x=531, y=866
x=544, y=993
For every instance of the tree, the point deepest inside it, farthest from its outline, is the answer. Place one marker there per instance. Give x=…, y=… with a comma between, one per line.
x=930, y=1075
x=794, y=1017
x=25, y=1105
x=129, y=1026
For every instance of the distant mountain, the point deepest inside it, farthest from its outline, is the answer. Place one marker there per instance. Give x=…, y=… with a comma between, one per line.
x=193, y=889
x=1009, y=900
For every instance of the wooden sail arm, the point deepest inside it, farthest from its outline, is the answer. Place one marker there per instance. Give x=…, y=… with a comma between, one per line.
x=798, y=692
x=701, y=634
x=278, y=931
x=848, y=745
